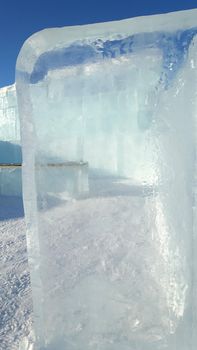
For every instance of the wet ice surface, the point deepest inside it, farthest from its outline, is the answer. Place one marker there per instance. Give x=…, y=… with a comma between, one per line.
x=15, y=293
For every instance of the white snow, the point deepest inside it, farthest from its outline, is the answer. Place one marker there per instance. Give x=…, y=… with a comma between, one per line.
x=15, y=292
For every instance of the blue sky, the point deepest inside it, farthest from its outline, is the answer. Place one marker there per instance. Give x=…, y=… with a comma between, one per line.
x=21, y=18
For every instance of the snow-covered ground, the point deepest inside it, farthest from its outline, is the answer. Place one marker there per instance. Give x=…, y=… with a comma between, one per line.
x=15, y=292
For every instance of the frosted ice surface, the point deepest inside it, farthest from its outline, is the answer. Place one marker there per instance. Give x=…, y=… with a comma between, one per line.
x=9, y=126
x=10, y=149
x=108, y=129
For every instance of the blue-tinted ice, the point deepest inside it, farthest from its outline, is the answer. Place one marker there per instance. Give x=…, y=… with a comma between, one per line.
x=108, y=121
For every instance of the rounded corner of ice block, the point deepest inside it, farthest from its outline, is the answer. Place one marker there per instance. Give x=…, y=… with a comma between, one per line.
x=30, y=51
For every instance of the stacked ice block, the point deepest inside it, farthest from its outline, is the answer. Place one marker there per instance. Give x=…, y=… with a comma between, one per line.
x=10, y=149
x=9, y=125
x=108, y=120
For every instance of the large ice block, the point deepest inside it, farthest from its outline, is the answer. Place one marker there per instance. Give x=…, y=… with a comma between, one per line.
x=108, y=121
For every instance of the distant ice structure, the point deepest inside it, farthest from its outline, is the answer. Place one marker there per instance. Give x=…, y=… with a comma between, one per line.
x=10, y=149
x=108, y=120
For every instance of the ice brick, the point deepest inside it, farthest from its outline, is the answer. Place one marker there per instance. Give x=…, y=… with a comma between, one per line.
x=10, y=148
x=111, y=244
x=9, y=127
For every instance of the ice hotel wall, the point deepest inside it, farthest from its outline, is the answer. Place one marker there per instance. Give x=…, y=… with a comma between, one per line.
x=108, y=115
x=10, y=148
x=9, y=126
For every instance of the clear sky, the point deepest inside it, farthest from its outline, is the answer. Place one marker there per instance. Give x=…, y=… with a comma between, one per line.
x=21, y=18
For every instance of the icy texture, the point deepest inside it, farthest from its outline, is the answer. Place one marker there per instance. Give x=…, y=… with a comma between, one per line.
x=10, y=180
x=108, y=128
x=10, y=151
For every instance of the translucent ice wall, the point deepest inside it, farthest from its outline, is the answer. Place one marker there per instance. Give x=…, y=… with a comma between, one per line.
x=10, y=148
x=9, y=126
x=108, y=122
